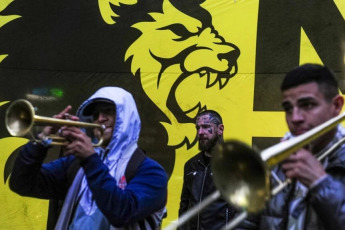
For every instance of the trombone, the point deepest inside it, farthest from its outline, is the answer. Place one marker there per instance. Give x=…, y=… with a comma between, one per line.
x=241, y=174
x=281, y=185
x=20, y=119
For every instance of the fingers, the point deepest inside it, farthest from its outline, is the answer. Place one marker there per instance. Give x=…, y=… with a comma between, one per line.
x=68, y=116
x=71, y=133
x=294, y=164
x=73, y=148
x=303, y=166
x=80, y=144
x=292, y=169
x=300, y=155
x=52, y=129
x=64, y=113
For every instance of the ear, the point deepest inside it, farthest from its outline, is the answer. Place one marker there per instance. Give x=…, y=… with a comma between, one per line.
x=338, y=102
x=220, y=129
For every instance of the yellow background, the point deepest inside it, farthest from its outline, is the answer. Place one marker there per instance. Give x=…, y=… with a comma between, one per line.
x=236, y=21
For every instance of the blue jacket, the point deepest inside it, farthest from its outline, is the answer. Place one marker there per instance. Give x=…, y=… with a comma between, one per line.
x=104, y=197
x=145, y=193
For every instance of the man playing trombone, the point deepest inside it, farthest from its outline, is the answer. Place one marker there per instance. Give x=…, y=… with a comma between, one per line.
x=316, y=197
x=93, y=183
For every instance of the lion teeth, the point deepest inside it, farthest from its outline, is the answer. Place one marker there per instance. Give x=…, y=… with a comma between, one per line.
x=223, y=81
x=194, y=111
x=233, y=70
x=202, y=73
x=212, y=79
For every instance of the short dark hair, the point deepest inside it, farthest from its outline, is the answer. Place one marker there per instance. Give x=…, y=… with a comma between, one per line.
x=214, y=116
x=308, y=73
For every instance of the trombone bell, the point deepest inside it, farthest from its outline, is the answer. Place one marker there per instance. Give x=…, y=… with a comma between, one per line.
x=240, y=175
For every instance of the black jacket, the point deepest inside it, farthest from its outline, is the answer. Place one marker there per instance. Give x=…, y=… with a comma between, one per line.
x=197, y=185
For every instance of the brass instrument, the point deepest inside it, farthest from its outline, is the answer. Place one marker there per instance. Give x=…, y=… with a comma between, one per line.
x=20, y=119
x=241, y=174
x=281, y=185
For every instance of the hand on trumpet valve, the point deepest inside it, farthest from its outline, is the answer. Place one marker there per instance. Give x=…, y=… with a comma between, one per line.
x=53, y=129
x=64, y=114
x=80, y=145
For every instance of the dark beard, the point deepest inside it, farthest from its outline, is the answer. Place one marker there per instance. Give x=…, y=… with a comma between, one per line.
x=207, y=147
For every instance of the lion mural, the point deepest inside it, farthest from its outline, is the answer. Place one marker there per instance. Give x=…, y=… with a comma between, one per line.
x=179, y=47
x=176, y=57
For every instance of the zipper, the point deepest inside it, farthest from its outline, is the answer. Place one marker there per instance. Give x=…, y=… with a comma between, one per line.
x=307, y=216
x=194, y=173
x=202, y=190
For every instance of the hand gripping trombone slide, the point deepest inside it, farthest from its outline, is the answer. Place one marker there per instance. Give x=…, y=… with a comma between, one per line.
x=241, y=174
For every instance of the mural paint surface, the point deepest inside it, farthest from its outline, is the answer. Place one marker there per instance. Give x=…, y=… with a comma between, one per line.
x=175, y=57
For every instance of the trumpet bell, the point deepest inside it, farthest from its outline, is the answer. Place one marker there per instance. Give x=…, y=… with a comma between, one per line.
x=19, y=118
x=240, y=175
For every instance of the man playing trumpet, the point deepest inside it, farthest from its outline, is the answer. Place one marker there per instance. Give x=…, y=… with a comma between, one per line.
x=102, y=195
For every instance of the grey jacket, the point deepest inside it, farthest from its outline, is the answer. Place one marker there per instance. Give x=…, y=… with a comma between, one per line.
x=325, y=203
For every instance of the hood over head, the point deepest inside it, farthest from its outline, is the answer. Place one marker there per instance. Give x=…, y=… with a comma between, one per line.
x=124, y=138
x=127, y=121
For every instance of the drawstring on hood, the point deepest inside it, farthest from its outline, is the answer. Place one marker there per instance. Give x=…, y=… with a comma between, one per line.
x=124, y=138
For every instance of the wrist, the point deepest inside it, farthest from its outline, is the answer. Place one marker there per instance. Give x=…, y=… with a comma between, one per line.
x=88, y=160
x=44, y=139
x=318, y=181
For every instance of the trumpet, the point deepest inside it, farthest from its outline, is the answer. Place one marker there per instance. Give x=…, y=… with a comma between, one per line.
x=20, y=119
x=241, y=174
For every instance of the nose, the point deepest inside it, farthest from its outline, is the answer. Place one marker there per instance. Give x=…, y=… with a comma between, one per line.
x=200, y=131
x=297, y=116
x=231, y=56
x=101, y=117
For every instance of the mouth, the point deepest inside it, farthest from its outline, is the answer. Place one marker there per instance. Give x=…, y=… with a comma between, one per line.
x=299, y=132
x=203, y=139
x=211, y=79
x=208, y=83
x=107, y=128
x=221, y=78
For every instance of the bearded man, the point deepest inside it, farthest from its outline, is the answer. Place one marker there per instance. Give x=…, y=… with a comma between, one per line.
x=198, y=181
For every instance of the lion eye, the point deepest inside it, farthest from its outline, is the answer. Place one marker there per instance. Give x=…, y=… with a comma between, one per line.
x=179, y=30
